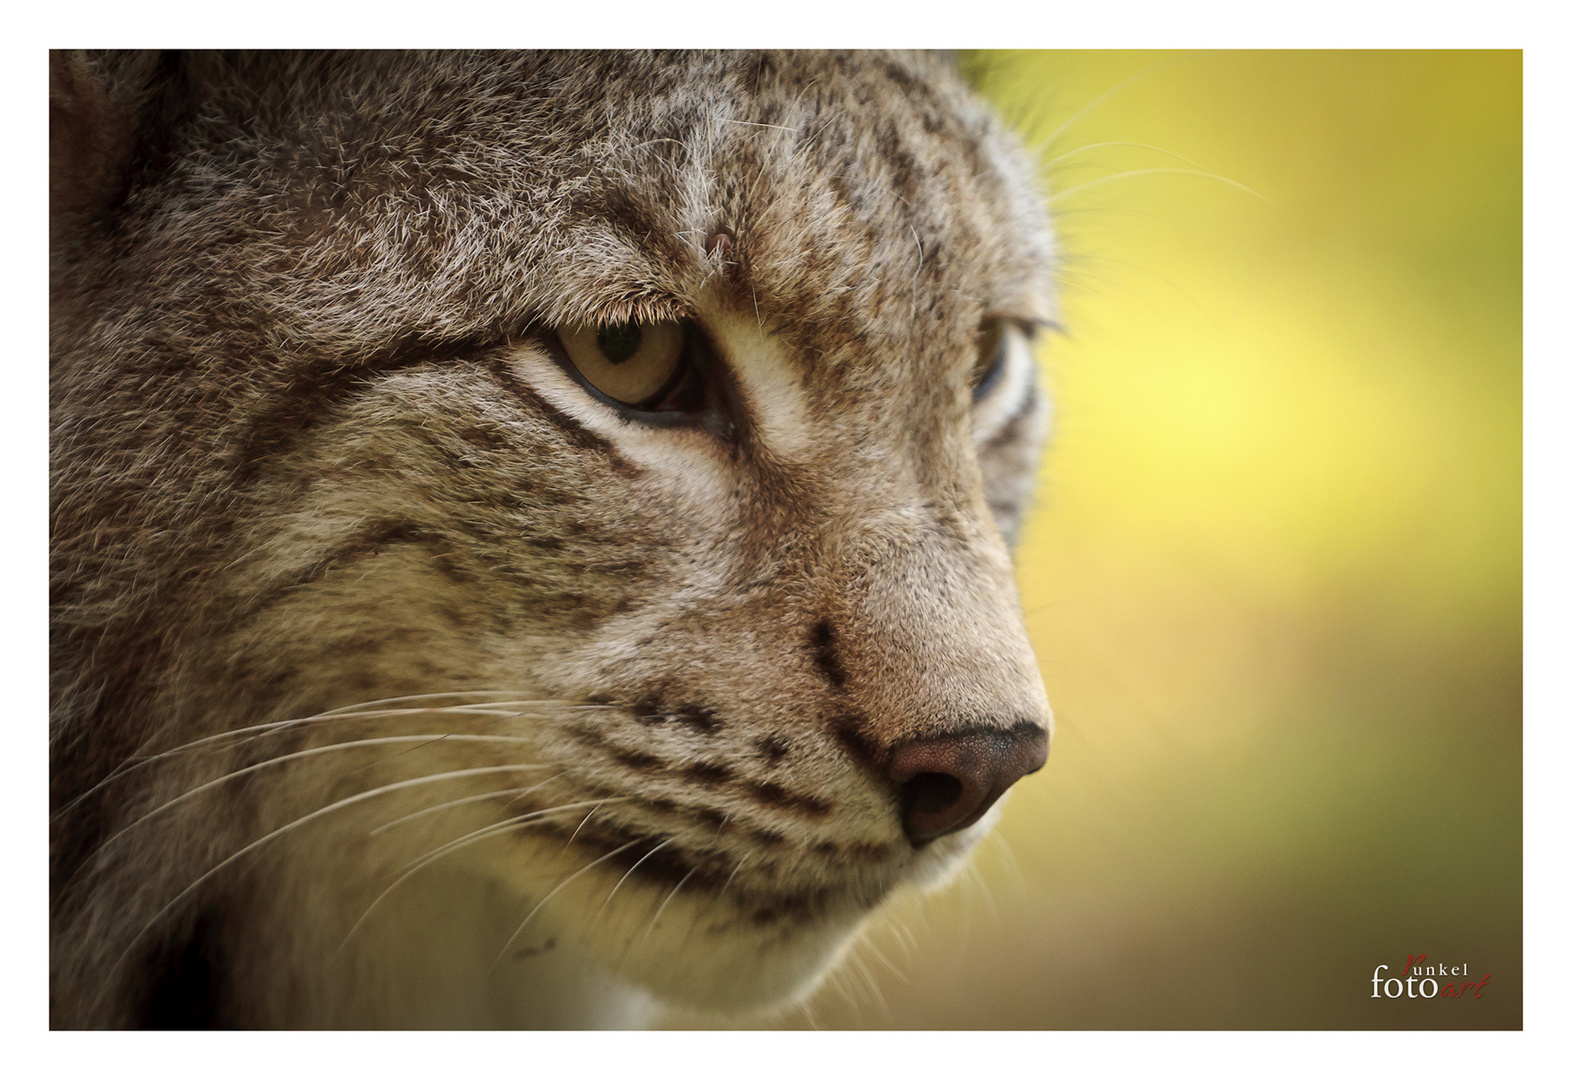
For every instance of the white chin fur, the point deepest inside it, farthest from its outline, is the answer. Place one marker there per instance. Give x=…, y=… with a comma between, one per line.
x=700, y=950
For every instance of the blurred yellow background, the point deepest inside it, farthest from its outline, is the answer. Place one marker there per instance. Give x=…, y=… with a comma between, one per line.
x=1275, y=574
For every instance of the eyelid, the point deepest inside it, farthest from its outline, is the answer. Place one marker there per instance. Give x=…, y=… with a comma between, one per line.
x=715, y=412
x=1036, y=326
x=1030, y=325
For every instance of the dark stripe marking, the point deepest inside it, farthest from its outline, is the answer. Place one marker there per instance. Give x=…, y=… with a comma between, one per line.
x=637, y=760
x=370, y=540
x=651, y=712
x=320, y=383
x=707, y=773
x=774, y=749
x=697, y=872
x=773, y=795
x=824, y=654
x=575, y=433
x=848, y=731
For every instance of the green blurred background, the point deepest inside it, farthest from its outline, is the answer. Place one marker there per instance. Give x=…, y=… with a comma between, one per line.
x=1275, y=574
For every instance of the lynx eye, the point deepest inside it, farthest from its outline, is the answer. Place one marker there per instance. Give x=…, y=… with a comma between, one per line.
x=635, y=364
x=994, y=341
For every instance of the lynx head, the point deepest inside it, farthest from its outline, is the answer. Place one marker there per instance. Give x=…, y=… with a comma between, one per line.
x=584, y=481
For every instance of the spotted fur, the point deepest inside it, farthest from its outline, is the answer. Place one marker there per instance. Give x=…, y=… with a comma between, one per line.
x=396, y=680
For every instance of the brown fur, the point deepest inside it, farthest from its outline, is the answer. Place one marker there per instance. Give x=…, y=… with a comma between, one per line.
x=310, y=450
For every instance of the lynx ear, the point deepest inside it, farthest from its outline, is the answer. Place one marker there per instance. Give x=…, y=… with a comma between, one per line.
x=99, y=122
x=88, y=136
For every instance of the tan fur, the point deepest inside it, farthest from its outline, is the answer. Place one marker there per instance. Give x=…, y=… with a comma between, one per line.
x=310, y=452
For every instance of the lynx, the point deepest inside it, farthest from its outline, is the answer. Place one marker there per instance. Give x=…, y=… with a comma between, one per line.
x=529, y=533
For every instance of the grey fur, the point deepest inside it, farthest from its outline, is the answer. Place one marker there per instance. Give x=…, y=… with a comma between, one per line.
x=308, y=450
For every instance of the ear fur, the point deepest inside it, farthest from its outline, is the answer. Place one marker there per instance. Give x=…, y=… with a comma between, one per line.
x=88, y=134
x=95, y=106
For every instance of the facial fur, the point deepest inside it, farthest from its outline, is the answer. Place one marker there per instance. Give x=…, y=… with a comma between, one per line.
x=397, y=678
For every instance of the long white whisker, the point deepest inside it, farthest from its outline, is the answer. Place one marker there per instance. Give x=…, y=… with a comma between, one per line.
x=516, y=792
x=1051, y=162
x=840, y=982
x=663, y=903
x=313, y=751
x=132, y=764
x=583, y=823
x=502, y=826
x=297, y=823
x=1104, y=96
x=410, y=869
x=1058, y=195
x=727, y=883
x=423, y=697
x=560, y=886
x=629, y=874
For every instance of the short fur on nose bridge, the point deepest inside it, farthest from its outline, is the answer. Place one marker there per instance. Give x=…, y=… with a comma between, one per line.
x=947, y=782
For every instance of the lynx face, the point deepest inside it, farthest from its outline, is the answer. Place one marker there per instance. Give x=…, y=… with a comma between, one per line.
x=525, y=526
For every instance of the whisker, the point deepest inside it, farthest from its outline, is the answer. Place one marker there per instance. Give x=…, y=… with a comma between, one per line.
x=904, y=938
x=293, y=825
x=535, y=817
x=1051, y=162
x=137, y=762
x=975, y=874
x=1011, y=865
x=516, y=792
x=1104, y=96
x=583, y=823
x=656, y=918
x=311, y=752
x=878, y=955
x=898, y=936
x=629, y=874
x=807, y=1011
x=560, y=886
x=840, y=982
x=427, y=740
x=1071, y=190
x=503, y=825
x=875, y=994
x=424, y=697
x=727, y=883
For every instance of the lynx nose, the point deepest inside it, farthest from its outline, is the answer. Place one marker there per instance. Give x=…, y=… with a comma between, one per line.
x=948, y=782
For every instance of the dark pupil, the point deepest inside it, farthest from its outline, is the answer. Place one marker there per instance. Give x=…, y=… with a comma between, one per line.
x=618, y=343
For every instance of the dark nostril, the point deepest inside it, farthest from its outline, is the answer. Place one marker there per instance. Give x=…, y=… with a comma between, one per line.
x=948, y=782
x=931, y=793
